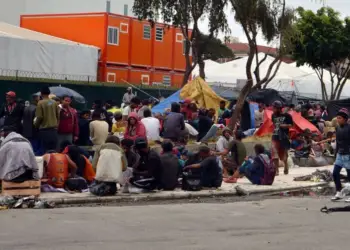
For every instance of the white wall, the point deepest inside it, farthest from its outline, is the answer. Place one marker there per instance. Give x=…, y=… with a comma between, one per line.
x=11, y=10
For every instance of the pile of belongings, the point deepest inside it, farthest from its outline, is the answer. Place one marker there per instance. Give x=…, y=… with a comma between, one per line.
x=7, y=202
x=317, y=176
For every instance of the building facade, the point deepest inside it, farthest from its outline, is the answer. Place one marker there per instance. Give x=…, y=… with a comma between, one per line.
x=131, y=50
x=11, y=10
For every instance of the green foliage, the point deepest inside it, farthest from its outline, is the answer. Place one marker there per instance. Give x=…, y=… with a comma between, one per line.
x=215, y=49
x=323, y=43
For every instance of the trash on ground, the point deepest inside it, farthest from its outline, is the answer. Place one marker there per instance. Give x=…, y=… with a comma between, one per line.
x=8, y=202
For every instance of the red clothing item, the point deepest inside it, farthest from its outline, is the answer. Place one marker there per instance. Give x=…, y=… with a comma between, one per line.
x=188, y=113
x=136, y=131
x=68, y=122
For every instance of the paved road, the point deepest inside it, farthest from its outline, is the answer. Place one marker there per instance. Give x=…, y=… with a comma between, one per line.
x=283, y=224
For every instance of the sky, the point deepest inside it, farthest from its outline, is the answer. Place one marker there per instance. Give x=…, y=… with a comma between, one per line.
x=342, y=6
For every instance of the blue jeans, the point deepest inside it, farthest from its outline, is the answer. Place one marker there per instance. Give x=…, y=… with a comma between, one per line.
x=211, y=133
x=36, y=145
x=342, y=161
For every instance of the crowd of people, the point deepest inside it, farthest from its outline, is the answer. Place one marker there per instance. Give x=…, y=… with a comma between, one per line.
x=99, y=148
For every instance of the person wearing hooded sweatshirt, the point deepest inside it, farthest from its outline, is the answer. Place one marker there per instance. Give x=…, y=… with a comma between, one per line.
x=135, y=128
x=342, y=151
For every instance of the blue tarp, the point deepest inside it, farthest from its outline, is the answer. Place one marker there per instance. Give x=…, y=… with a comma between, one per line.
x=160, y=108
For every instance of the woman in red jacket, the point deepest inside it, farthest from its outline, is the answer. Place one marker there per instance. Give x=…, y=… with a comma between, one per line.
x=135, y=128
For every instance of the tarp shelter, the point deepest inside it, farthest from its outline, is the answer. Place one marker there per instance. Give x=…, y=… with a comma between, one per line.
x=266, y=96
x=300, y=124
x=26, y=53
x=165, y=104
x=200, y=92
x=334, y=106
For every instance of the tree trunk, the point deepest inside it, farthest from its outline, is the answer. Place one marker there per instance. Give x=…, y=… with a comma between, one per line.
x=244, y=92
x=201, y=65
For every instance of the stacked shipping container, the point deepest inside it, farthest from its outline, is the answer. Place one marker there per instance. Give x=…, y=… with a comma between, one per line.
x=131, y=50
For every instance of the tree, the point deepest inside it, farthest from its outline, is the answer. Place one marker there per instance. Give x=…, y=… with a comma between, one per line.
x=324, y=44
x=212, y=48
x=273, y=19
x=186, y=14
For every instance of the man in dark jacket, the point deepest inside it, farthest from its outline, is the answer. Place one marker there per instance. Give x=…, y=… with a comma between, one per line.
x=29, y=130
x=147, y=173
x=12, y=113
x=174, y=124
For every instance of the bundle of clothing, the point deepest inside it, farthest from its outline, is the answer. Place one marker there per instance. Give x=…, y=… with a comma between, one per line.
x=317, y=176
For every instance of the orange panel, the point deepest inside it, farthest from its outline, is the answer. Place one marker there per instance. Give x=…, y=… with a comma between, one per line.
x=88, y=29
x=119, y=53
x=141, y=47
x=139, y=76
x=177, y=80
x=163, y=49
x=118, y=74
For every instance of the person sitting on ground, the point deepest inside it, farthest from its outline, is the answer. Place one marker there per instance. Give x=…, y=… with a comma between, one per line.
x=224, y=140
x=204, y=124
x=152, y=126
x=254, y=169
x=98, y=130
x=238, y=153
x=84, y=167
x=174, y=124
x=300, y=146
x=170, y=167
x=135, y=128
x=131, y=156
x=119, y=125
x=222, y=109
x=131, y=108
x=317, y=158
x=147, y=174
x=110, y=162
x=18, y=161
x=211, y=172
x=145, y=106
x=84, y=129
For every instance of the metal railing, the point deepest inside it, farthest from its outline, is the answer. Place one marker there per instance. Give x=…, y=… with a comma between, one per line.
x=13, y=74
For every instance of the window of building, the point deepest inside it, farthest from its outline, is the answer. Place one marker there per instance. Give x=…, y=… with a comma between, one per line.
x=111, y=77
x=184, y=48
x=145, y=79
x=124, y=28
x=179, y=38
x=159, y=33
x=126, y=9
x=113, y=35
x=146, y=31
x=167, y=80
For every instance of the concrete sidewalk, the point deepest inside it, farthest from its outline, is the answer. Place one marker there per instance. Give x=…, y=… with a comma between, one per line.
x=282, y=183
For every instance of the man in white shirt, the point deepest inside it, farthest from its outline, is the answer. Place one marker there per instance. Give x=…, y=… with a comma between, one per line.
x=134, y=103
x=152, y=126
x=259, y=116
x=128, y=96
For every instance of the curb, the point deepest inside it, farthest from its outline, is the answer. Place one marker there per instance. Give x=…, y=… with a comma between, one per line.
x=135, y=198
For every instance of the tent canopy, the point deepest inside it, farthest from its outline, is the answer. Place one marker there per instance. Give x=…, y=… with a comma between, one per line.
x=300, y=124
x=165, y=104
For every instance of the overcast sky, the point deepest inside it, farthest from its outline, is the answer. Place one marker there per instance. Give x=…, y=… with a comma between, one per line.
x=343, y=6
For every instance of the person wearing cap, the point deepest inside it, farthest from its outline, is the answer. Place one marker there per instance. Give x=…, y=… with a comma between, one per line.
x=12, y=113
x=342, y=151
x=128, y=96
x=29, y=130
x=148, y=173
x=282, y=122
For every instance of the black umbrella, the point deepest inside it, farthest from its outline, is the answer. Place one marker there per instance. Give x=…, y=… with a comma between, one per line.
x=60, y=91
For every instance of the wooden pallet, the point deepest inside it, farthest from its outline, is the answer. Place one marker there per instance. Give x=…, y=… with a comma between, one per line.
x=26, y=188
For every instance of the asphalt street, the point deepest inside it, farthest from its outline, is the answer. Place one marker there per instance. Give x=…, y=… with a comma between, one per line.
x=281, y=224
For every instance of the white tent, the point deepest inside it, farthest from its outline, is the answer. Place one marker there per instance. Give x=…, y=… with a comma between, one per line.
x=208, y=65
x=27, y=53
x=288, y=78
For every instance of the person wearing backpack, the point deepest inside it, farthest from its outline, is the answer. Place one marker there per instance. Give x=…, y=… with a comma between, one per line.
x=258, y=170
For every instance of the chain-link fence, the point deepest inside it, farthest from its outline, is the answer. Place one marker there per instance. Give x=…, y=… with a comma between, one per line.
x=11, y=74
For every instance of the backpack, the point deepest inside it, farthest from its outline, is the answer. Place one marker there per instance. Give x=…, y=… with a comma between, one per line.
x=57, y=170
x=191, y=181
x=269, y=172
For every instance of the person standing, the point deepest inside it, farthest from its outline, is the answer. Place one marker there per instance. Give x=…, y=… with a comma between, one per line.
x=128, y=96
x=282, y=122
x=342, y=151
x=29, y=130
x=12, y=113
x=84, y=129
x=68, y=127
x=47, y=119
x=98, y=130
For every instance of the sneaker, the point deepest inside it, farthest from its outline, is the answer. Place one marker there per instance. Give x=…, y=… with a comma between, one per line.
x=347, y=200
x=338, y=196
